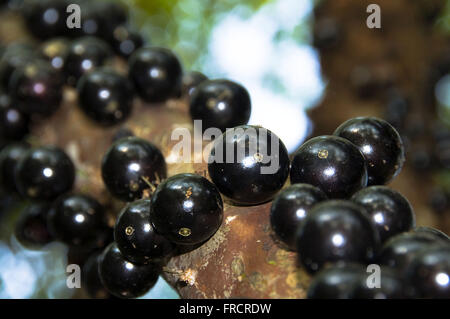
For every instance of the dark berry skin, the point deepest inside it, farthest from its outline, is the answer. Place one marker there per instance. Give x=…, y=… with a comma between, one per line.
x=336, y=230
x=331, y=163
x=91, y=279
x=15, y=56
x=100, y=18
x=85, y=54
x=156, y=73
x=44, y=173
x=55, y=51
x=190, y=81
x=91, y=21
x=105, y=96
x=186, y=209
x=113, y=14
x=122, y=278
x=255, y=171
x=10, y=155
x=390, y=212
x=130, y=165
x=432, y=231
x=135, y=236
x=77, y=219
x=220, y=103
x=46, y=18
x=399, y=251
x=37, y=88
x=31, y=228
x=392, y=286
x=122, y=133
x=336, y=282
x=290, y=207
x=14, y=124
x=125, y=41
x=380, y=144
x=429, y=273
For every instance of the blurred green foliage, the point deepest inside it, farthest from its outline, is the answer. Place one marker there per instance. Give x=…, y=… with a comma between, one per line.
x=185, y=25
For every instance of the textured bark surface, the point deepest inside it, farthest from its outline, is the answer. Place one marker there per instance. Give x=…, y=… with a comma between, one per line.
x=242, y=259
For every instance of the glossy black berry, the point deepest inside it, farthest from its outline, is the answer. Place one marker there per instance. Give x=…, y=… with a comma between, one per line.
x=333, y=231
x=390, y=212
x=380, y=144
x=220, y=103
x=37, y=88
x=156, y=73
x=123, y=278
x=31, y=229
x=85, y=54
x=46, y=18
x=14, y=124
x=105, y=96
x=125, y=41
x=391, y=286
x=131, y=167
x=55, y=51
x=77, y=219
x=432, y=231
x=429, y=273
x=331, y=163
x=248, y=164
x=336, y=282
x=91, y=279
x=15, y=56
x=399, y=251
x=290, y=207
x=186, y=209
x=44, y=173
x=190, y=81
x=10, y=155
x=135, y=236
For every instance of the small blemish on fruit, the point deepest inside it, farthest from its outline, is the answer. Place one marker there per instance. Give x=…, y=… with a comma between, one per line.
x=258, y=157
x=129, y=230
x=32, y=192
x=134, y=186
x=189, y=193
x=185, y=232
x=323, y=154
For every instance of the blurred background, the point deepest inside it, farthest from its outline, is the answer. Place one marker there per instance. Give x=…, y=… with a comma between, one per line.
x=308, y=65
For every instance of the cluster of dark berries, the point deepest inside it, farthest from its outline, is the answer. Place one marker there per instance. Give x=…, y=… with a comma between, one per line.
x=339, y=217
x=162, y=213
x=335, y=211
x=426, y=138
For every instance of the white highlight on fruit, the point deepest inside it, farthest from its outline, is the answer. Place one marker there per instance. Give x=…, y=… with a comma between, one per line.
x=329, y=171
x=300, y=213
x=442, y=279
x=378, y=218
x=135, y=167
x=338, y=240
x=48, y=172
x=79, y=218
